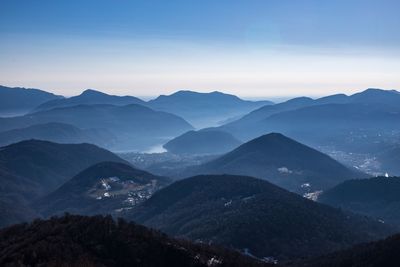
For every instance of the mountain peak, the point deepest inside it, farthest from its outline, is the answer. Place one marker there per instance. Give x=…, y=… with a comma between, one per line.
x=281, y=160
x=91, y=92
x=276, y=138
x=188, y=93
x=375, y=91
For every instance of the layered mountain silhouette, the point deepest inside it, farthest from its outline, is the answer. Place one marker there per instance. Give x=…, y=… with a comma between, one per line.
x=254, y=216
x=359, y=122
x=282, y=161
x=104, y=188
x=134, y=126
x=32, y=169
x=17, y=100
x=377, y=197
x=202, y=142
x=204, y=109
x=373, y=254
x=90, y=97
x=58, y=133
x=100, y=241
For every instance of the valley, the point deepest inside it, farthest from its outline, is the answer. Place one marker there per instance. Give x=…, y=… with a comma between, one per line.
x=246, y=133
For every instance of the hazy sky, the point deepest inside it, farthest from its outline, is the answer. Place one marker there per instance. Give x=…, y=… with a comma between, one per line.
x=246, y=47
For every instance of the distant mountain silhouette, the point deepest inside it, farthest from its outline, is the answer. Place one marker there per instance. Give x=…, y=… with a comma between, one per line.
x=78, y=241
x=239, y=127
x=57, y=132
x=354, y=123
x=134, y=126
x=282, y=161
x=204, y=109
x=17, y=100
x=104, y=188
x=202, y=142
x=31, y=169
x=376, y=197
x=254, y=216
x=376, y=96
x=361, y=128
x=375, y=254
x=90, y=97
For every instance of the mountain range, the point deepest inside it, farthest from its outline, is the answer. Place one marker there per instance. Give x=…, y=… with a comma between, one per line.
x=364, y=122
x=200, y=109
x=90, y=97
x=359, y=122
x=253, y=216
x=18, y=100
x=204, y=109
x=134, y=126
x=250, y=190
x=282, y=161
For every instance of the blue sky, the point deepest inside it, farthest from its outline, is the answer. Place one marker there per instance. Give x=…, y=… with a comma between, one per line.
x=250, y=48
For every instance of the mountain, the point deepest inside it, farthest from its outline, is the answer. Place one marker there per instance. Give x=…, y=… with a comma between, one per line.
x=360, y=128
x=376, y=96
x=282, y=161
x=104, y=188
x=90, y=97
x=204, y=109
x=354, y=123
x=17, y=100
x=100, y=241
x=51, y=164
x=58, y=133
x=373, y=254
x=202, y=142
x=377, y=197
x=254, y=216
x=134, y=126
x=238, y=127
x=31, y=169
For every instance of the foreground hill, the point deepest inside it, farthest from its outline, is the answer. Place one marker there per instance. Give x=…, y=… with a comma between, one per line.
x=204, y=109
x=58, y=133
x=31, y=169
x=134, y=126
x=376, y=197
x=104, y=188
x=90, y=97
x=375, y=254
x=21, y=100
x=254, y=216
x=202, y=142
x=282, y=161
x=99, y=241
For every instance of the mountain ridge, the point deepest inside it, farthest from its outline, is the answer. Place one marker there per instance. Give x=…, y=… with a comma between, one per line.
x=90, y=97
x=250, y=214
x=280, y=160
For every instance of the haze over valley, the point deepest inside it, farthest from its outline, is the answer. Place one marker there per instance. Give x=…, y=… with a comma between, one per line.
x=200, y=133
